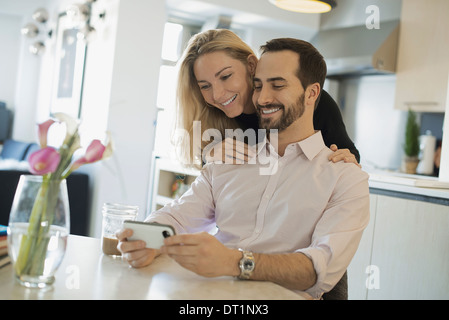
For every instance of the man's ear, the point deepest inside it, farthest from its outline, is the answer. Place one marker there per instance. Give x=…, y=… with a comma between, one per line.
x=252, y=64
x=312, y=93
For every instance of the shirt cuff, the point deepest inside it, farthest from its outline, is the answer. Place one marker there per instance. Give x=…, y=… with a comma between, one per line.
x=320, y=259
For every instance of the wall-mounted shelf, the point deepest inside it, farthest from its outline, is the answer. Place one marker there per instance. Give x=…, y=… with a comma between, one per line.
x=165, y=174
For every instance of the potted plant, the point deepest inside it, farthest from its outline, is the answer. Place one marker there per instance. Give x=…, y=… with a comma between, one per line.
x=411, y=144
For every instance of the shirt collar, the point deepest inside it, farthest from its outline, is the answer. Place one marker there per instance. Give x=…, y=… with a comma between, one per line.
x=310, y=146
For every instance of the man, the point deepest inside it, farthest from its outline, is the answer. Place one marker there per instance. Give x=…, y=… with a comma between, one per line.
x=299, y=226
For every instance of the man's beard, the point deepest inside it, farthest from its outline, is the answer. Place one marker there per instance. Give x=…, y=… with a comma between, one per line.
x=293, y=113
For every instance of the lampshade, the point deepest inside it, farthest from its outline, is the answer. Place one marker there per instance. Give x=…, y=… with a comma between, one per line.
x=30, y=30
x=37, y=48
x=306, y=6
x=78, y=13
x=40, y=15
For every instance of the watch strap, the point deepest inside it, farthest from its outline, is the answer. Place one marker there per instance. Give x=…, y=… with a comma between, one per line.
x=246, y=264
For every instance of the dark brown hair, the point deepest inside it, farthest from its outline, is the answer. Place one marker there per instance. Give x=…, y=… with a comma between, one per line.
x=312, y=67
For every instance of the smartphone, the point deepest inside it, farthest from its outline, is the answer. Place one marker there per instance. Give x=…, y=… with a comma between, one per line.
x=152, y=233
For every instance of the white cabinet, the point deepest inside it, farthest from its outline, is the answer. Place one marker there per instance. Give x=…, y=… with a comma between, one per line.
x=411, y=249
x=357, y=275
x=407, y=243
x=165, y=173
x=423, y=65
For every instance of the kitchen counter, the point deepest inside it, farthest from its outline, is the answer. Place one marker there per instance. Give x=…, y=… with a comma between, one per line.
x=413, y=187
x=86, y=273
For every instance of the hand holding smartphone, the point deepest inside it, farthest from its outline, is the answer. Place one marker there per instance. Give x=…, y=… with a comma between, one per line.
x=152, y=233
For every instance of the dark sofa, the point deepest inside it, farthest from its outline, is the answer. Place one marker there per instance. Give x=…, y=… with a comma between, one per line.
x=77, y=187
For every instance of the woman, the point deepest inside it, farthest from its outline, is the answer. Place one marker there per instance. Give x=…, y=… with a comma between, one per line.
x=215, y=87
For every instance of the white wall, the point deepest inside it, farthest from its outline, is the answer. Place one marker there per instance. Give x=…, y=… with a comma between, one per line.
x=444, y=161
x=9, y=56
x=132, y=108
x=20, y=70
x=255, y=37
x=25, y=107
x=371, y=120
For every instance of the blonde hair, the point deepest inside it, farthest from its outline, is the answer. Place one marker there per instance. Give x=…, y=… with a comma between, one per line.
x=191, y=105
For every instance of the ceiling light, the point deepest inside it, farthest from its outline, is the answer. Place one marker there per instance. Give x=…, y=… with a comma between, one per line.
x=40, y=15
x=30, y=30
x=37, y=48
x=306, y=6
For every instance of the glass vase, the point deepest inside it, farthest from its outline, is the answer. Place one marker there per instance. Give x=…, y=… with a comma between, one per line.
x=38, y=229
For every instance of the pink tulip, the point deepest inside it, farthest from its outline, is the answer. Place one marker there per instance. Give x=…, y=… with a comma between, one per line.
x=44, y=161
x=43, y=131
x=94, y=153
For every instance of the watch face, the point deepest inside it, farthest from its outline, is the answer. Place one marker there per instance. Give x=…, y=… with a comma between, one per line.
x=248, y=265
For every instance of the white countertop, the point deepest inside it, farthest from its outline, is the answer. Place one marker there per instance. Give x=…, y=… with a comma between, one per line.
x=413, y=184
x=86, y=273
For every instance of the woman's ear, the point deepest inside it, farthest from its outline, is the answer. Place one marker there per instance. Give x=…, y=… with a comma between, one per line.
x=252, y=64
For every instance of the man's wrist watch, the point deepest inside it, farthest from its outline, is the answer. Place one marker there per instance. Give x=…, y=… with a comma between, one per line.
x=247, y=265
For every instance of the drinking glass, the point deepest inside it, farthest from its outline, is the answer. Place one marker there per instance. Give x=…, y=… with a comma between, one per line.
x=113, y=216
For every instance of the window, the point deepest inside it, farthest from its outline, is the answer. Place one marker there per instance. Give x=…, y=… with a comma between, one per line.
x=171, y=45
x=176, y=35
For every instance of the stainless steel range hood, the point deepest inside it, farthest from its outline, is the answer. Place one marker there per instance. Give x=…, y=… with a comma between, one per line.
x=359, y=50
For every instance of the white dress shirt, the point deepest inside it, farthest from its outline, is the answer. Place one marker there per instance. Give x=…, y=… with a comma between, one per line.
x=308, y=204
